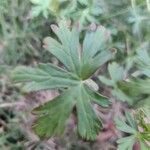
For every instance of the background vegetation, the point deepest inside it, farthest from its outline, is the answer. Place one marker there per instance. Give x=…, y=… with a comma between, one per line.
x=125, y=79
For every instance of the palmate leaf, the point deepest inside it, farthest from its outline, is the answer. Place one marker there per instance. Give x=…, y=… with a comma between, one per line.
x=130, y=126
x=143, y=59
x=46, y=7
x=137, y=90
x=135, y=87
x=116, y=73
x=73, y=80
x=126, y=143
x=83, y=11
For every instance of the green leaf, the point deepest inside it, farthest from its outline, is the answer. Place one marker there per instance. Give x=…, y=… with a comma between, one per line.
x=126, y=143
x=88, y=122
x=78, y=90
x=130, y=126
x=44, y=76
x=135, y=87
x=92, y=64
x=45, y=7
x=116, y=71
x=143, y=59
x=52, y=117
x=40, y=7
x=70, y=44
x=144, y=146
x=51, y=123
x=98, y=98
x=93, y=42
x=93, y=51
x=106, y=81
x=121, y=96
x=123, y=126
x=131, y=121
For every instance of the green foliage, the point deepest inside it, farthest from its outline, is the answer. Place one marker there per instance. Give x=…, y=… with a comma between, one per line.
x=22, y=28
x=130, y=126
x=83, y=11
x=135, y=88
x=80, y=65
x=19, y=38
x=117, y=73
x=44, y=7
x=143, y=59
x=138, y=88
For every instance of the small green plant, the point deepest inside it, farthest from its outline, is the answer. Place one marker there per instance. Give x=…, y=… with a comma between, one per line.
x=117, y=73
x=138, y=88
x=77, y=89
x=131, y=127
x=83, y=11
x=44, y=7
